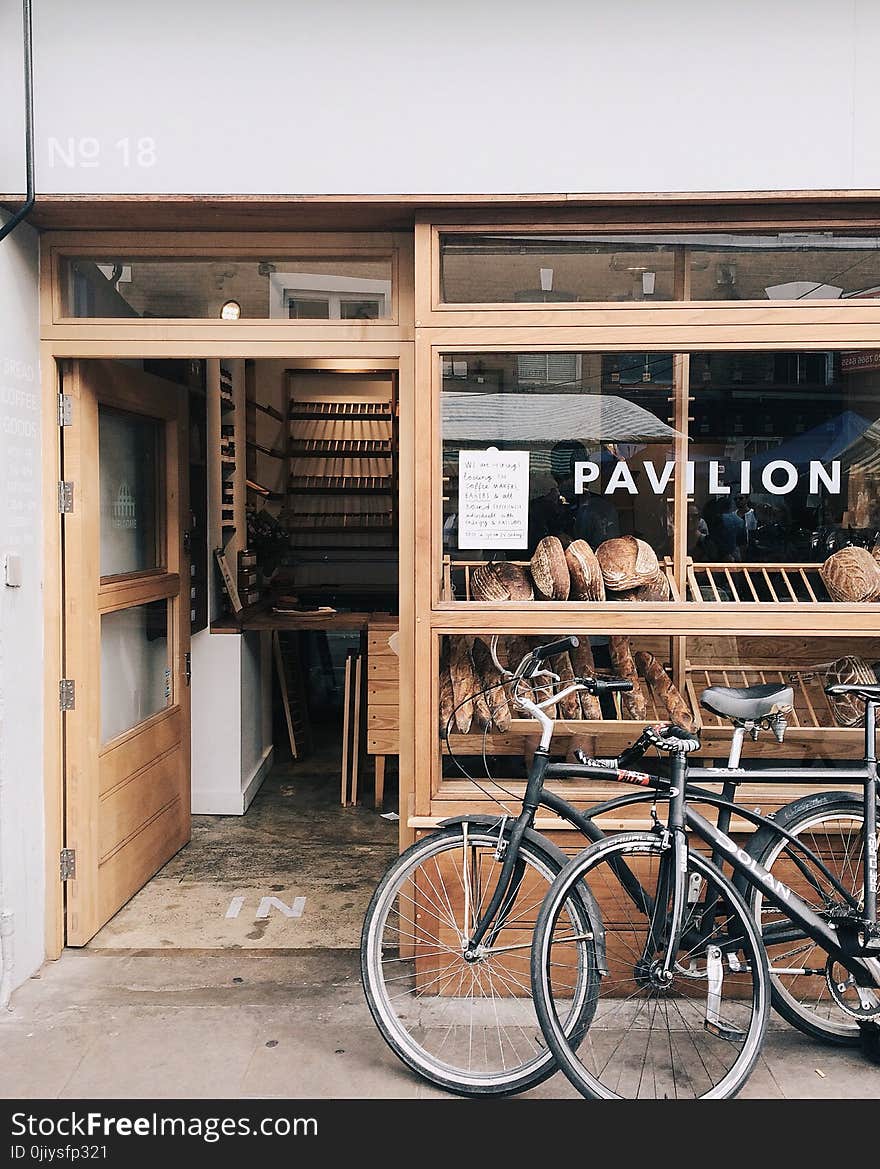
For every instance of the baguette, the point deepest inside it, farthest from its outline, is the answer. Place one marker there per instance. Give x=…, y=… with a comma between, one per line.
x=447, y=699
x=634, y=704
x=666, y=694
x=496, y=695
x=464, y=682
x=584, y=667
x=568, y=707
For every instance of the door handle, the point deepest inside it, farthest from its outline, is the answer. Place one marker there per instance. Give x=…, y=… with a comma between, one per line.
x=187, y=667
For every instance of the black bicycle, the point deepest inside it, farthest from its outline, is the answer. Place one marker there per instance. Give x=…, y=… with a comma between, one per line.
x=447, y=936
x=678, y=966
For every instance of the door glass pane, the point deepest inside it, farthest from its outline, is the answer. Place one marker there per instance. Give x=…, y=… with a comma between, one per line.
x=129, y=457
x=135, y=673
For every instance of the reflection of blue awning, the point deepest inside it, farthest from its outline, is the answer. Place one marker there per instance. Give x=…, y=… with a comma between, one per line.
x=822, y=444
x=530, y=419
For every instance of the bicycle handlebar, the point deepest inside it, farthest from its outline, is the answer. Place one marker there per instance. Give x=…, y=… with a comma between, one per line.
x=552, y=648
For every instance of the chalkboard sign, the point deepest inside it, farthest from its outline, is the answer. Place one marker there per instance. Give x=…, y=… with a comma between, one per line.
x=493, y=499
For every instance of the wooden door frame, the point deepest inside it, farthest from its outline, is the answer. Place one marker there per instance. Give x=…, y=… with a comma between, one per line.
x=319, y=353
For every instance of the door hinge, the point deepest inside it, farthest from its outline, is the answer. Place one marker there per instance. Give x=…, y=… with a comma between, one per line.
x=68, y=864
x=65, y=409
x=65, y=496
x=187, y=666
x=67, y=694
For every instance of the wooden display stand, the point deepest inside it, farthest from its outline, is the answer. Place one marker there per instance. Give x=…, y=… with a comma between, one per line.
x=383, y=704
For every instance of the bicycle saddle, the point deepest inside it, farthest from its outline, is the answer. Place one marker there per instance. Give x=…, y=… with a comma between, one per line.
x=748, y=703
x=865, y=691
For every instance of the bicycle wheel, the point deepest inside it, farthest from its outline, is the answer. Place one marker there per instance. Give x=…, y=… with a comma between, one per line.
x=697, y=1036
x=808, y=991
x=467, y=1026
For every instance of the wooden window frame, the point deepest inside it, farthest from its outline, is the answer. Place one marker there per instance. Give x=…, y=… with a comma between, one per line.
x=679, y=327
x=295, y=248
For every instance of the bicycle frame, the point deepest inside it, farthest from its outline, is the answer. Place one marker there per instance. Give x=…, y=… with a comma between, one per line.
x=681, y=816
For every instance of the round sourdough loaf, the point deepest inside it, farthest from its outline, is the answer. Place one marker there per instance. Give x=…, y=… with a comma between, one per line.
x=501, y=581
x=626, y=563
x=550, y=570
x=852, y=574
x=586, y=575
x=656, y=589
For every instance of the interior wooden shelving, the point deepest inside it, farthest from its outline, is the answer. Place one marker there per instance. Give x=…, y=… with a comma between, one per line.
x=341, y=471
x=789, y=583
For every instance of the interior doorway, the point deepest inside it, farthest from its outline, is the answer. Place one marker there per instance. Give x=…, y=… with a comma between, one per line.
x=288, y=548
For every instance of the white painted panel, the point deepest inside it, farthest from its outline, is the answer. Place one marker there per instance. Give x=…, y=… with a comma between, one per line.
x=218, y=96
x=22, y=885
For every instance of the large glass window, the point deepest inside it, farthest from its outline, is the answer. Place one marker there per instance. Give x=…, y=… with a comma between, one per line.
x=542, y=268
x=295, y=288
x=785, y=465
x=563, y=472
x=542, y=450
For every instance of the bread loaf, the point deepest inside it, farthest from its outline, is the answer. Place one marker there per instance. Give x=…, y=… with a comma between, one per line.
x=491, y=680
x=653, y=590
x=464, y=682
x=584, y=667
x=584, y=572
x=633, y=703
x=550, y=570
x=852, y=574
x=568, y=707
x=447, y=699
x=666, y=695
x=626, y=563
x=501, y=581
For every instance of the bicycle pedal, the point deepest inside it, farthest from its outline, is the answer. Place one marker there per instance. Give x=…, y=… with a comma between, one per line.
x=722, y=1031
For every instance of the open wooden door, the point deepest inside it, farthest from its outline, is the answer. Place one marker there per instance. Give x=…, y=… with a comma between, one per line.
x=126, y=616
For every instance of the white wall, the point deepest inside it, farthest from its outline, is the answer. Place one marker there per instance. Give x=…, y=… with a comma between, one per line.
x=21, y=609
x=218, y=96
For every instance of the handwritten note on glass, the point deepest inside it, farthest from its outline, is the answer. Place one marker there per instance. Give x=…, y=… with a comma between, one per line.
x=493, y=499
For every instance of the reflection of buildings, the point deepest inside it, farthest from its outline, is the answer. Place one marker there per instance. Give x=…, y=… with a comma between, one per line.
x=559, y=430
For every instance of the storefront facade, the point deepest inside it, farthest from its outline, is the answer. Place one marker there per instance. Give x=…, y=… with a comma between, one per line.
x=696, y=372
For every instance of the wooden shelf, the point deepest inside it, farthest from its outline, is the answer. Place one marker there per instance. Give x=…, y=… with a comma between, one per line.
x=770, y=584
x=354, y=448
x=342, y=410
x=340, y=484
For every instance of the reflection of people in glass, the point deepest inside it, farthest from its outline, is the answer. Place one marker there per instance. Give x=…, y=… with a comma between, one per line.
x=549, y=513
x=698, y=533
x=596, y=519
x=727, y=528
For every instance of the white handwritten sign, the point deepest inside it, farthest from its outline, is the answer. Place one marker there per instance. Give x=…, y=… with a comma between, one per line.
x=493, y=499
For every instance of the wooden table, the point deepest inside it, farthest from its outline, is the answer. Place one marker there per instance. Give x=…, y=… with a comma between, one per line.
x=262, y=618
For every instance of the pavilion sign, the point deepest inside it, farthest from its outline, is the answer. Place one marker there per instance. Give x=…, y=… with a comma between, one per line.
x=776, y=477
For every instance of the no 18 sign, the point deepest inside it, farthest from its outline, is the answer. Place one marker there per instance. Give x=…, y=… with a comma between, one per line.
x=90, y=152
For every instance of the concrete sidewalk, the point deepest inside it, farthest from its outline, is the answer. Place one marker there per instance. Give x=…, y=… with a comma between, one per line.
x=278, y=1024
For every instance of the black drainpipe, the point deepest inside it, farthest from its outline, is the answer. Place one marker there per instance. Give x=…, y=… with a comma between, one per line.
x=23, y=211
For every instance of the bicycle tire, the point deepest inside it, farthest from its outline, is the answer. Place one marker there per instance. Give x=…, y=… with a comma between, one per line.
x=806, y=1002
x=681, y=1059
x=414, y=1041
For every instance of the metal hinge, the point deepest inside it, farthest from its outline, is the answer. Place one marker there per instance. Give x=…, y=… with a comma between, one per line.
x=67, y=694
x=187, y=666
x=65, y=410
x=67, y=865
x=65, y=496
